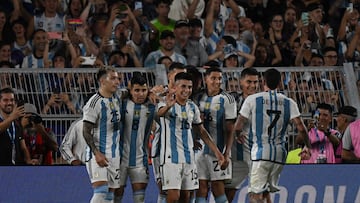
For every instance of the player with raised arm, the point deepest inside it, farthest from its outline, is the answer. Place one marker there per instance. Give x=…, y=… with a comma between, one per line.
x=137, y=118
x=101, y=130
x=269, y=114
x=179, y=117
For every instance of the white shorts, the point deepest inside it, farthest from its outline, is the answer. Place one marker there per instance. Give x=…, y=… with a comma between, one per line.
x=156, y=166
x=209, y=168
x=110, y=174
x=179, y=176
x=136, y=174
x=264, y=176
x=240, y=171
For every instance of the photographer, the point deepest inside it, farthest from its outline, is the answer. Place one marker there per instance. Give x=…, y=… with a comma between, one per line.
x=322, y=137
x=39, y=140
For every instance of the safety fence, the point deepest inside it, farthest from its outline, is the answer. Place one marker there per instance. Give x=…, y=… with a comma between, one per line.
x=60, y=93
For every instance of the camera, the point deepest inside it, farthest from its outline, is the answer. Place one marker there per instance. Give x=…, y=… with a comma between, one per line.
x=35, y=119
x=122, y=8
x=229, y=48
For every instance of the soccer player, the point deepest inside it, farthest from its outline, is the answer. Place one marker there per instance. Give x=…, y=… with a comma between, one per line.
x=137, y=118
x=218, y=110
x=174, y=69
x=73, y=146
x=101, y=131
x=240, y=152
x=269, y=113
x=179, y=117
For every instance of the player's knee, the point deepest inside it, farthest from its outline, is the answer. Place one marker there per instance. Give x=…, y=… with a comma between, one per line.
x=101, y=189
x=139, y=196
x=203, y=189
x=119, y=191
x=173, y=195
x=109, y=196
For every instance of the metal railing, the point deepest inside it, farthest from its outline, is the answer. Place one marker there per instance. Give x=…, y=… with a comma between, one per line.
x=306, y=85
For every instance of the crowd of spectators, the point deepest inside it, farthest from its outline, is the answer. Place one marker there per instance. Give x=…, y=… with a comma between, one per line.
x=229, y=33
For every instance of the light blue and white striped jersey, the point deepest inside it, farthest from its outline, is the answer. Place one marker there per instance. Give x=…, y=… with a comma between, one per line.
x=216, y=110
x=153, y=57
x=105, y=114
x=270, y=113
x=238, y=150
x=176, y=133
x=39, y=81
x=136, y=120
x=53, y=24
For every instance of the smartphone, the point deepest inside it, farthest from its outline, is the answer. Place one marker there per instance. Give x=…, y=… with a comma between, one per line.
x=20, y=102
x=350, y=7
x=89, y=60
x=228, y=49
x=55, y=35
x=138, y=5
x=305, y=18
x=122, y=7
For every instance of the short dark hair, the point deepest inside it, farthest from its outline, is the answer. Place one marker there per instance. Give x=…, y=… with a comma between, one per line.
x=36, y=31
x=183, y=76
x=103, y=71
x=176, y=65
x=272, y=78
x=138, y=78
x=163, y=58
x=212, y=69
x=157, y=2
x=325, y=106
x=327, y=49
x=249, y=71
x=6, y=90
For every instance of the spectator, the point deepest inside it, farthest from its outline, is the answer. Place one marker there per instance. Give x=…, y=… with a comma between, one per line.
x=39, y=43
x=49, y=20
x=21, y=41
x=345, y=116
x=13, y=149
x=267, y=55
x=196, y=32
x=73, y=146
x=59, y=103
x=322, y=137
x=127, y=34
x=4, y=26
x=75, y=8
x=290, y=22
x=167, y=41
x=182, y=9
x=166, y=61
x=162, y=22
x=350, y=152
x=40, y=141
x=5, y=51
x=190, y=49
